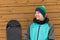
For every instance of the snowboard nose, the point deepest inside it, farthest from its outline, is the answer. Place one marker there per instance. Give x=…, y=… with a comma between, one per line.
x=13, y=23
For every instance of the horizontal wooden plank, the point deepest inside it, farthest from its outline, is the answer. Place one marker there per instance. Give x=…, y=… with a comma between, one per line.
x=53, y=15
x=41, y=3
x=51, y=7
x=2, y=35
x=57, y=37
x=17, y=9
x=55, y=22
x=56, y=26
x=50, y=1
x=56, y=19
x=53, y=10
x=58, y=1
x=12, y=1
x=34, y=1
x=3, y=39
x=57, y=31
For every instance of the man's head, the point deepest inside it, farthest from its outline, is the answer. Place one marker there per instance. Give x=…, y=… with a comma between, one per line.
x=40, y=13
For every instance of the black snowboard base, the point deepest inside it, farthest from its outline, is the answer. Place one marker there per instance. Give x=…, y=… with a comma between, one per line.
x=13, y=30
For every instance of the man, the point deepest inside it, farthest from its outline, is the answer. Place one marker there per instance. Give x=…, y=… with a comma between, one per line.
x=40, y=28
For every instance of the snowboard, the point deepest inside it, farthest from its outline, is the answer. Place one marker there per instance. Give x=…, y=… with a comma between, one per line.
x=13, y=30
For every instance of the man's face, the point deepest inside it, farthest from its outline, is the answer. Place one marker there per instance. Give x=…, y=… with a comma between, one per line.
x=39, y=16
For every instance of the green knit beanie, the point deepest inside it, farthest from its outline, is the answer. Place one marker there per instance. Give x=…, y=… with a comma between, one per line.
x=41, y=9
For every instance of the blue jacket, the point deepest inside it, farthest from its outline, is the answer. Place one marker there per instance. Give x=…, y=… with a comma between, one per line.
x=40, y=31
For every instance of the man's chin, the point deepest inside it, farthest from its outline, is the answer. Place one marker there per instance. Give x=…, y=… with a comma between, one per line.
x=37, y=19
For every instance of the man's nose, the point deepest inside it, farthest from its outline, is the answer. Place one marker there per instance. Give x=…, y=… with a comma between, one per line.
x=37, y=14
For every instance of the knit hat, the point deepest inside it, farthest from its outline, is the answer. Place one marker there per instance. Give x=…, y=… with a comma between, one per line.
x=42, y=10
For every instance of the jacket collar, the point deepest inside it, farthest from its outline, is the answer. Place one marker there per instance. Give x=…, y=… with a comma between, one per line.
x=46, y=20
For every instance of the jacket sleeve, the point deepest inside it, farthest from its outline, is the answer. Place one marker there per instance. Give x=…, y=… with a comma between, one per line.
x=27, y=34
x=51, y=33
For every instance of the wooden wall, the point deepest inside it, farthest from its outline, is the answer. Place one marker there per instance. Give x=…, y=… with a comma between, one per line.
x=23, y=11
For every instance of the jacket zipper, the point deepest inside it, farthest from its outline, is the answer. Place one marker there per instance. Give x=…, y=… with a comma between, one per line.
x=38, y=32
